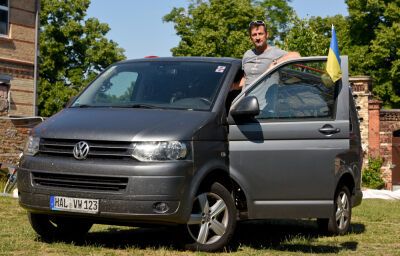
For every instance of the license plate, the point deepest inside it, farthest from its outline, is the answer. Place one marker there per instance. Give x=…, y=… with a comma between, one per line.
x=61, y=203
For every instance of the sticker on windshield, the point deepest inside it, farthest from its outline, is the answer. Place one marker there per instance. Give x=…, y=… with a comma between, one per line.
x=220, y=69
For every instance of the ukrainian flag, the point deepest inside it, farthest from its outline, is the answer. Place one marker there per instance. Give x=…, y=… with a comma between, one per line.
x=333, y=64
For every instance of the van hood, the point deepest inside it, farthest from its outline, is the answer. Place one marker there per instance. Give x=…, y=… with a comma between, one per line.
x=119, y=124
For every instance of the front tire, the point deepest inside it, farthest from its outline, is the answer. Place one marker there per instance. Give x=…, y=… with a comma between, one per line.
x=50, y=228
x=213, y=219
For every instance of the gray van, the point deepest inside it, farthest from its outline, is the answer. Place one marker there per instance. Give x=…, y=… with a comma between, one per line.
x=166, y=141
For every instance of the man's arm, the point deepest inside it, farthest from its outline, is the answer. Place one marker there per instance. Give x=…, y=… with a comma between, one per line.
x=242, y=82
x=287, y=56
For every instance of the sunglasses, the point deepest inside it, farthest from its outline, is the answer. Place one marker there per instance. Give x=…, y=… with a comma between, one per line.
x=257, y=22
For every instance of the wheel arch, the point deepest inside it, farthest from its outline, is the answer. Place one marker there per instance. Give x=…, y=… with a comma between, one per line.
x=347, y=180
x=216, y=175
x=222, y=176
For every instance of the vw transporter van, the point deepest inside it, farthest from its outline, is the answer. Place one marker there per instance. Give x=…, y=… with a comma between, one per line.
x=168, y=141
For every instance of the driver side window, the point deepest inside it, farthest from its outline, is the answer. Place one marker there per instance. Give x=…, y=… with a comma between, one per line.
x=296, y=91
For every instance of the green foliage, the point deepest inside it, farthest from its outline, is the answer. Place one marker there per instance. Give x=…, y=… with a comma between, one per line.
x=371, y=176
x=219, y=27
x=278, y=15
x=311, y=37
x=73, y=50
x=375, y=36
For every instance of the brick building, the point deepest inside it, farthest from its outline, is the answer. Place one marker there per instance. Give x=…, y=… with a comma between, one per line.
x=18, y=47
x=18, y=69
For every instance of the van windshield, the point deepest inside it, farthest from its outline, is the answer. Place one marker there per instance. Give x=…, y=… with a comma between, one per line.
x=156, y=84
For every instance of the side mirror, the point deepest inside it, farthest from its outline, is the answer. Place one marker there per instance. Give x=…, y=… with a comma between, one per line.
x=247, y=107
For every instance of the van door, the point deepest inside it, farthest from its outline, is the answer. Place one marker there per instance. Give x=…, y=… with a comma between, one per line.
x=286, y=158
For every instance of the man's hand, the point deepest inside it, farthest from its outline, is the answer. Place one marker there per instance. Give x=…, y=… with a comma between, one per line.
x=288, y=56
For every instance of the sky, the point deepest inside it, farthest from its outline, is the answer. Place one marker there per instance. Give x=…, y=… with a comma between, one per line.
x=137, y=26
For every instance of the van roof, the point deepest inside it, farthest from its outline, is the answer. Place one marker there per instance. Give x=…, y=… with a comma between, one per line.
x=179, y=59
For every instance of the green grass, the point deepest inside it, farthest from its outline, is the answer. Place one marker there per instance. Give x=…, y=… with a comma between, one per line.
x=375, y=231
x=3, y=180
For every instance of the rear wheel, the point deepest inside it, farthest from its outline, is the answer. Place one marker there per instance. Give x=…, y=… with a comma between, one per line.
x=339, y=222
x=213, y=219
x=49, y=227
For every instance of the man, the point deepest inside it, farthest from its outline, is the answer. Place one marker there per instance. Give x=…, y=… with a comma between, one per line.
x=256, y=61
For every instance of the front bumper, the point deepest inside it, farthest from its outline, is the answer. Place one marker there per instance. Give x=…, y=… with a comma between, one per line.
x=147, y=184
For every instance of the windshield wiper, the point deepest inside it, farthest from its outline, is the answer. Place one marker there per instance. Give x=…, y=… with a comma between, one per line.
x=82, y=106
x=140, y=105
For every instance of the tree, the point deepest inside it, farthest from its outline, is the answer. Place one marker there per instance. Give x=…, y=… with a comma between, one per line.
x=73, y=50
x=311, y=37
x=278, y=15
x=375, y=38
x=219, y=27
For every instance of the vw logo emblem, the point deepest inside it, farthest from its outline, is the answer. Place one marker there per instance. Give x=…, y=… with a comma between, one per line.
x=81, y=150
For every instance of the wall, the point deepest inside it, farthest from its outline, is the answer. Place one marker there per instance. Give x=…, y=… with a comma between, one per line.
x=14, y=133
x=21, y=89
x=389, y=122
x=361, y=87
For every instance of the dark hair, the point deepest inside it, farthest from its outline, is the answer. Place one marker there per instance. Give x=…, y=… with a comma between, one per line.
x=256, y=24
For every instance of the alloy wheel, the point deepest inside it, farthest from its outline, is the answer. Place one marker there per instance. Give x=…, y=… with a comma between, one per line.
x=342, y=210
x=209, y=219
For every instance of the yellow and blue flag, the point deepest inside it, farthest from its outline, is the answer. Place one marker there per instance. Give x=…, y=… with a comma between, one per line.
x=333, y=63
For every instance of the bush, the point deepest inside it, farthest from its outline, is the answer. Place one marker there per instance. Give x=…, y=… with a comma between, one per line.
x=371, y=176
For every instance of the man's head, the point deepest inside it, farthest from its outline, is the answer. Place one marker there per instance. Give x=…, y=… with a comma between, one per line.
x=258, y=34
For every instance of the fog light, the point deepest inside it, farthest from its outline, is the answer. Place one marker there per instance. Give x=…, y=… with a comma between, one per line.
x=160, y=207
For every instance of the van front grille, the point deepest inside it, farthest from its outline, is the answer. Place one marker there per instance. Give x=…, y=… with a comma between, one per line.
x=98, y=149
x=96, y=183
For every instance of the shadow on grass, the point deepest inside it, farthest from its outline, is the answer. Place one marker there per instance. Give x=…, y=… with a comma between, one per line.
x=289, y=235
x=278, y=235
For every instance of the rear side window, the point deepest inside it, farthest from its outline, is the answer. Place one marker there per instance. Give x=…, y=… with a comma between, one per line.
x=296, y=91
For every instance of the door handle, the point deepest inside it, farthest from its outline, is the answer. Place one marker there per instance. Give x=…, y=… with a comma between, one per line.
x=328, y=129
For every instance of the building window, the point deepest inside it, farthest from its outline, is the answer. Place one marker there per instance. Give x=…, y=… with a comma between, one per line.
x=4, y=10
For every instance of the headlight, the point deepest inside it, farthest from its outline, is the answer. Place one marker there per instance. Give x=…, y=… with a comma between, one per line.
x=32, y=146
x=160, y=151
